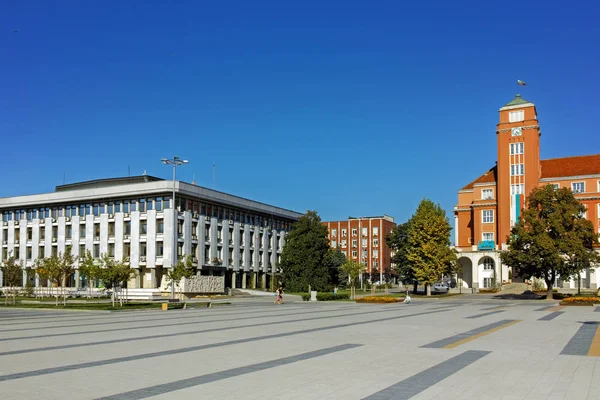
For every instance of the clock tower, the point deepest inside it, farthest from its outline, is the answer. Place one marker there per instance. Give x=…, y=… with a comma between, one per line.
x=518, y=134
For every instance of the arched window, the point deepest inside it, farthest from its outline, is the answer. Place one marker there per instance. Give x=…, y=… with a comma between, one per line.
x=488, y=263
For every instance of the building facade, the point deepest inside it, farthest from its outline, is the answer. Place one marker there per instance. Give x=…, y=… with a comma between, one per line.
x=490, y=205
x=362, y=240
x=133, y=219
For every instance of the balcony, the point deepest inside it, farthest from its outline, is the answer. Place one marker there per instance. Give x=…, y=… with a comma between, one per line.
x=486, y=245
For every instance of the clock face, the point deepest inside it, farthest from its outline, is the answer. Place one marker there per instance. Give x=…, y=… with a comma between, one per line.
x=516, y=131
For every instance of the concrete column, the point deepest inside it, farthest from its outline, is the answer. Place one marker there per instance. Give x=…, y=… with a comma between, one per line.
x=254, y=280
x=77, y=283
x=153, y=278
x=244, y=280
x=37, y=281
x=263, y=281
x=1, y=279
x=233, y=279
x=24, y=277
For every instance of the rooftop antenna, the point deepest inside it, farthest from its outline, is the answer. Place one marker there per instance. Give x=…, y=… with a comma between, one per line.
x=129, y=170
x=144, y=173
x=214, y=166
x=194, y=179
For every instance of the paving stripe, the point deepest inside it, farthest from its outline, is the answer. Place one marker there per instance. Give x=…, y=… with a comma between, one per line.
x=556, y=308
x=594, y=350
x=461, y=338
x=498, y=307
x=110, y=361
x=229, y=373
x=187, y=323
x=423, y=380
x=580, y=343
x=485, y=314
x=597, y=309
x=550, y=316
x=195, y=315
x=545, y=308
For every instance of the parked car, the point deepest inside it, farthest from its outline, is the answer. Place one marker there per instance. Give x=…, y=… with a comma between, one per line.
x=440, y=287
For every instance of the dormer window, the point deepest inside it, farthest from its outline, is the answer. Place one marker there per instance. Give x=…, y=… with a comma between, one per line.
x=487, y=194
x=516, y=116
x=578, y=187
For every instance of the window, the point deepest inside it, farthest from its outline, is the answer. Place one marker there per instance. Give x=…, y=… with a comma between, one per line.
x=488, y=264
x=111, y=250
x=55, y=232
x=364, y=243
x=517, y=189
x=344, y=253
x=96, y=251
x=517, y=148
x=69, y=231
x=517, y=169
x=555, y=186
x=488, y=236
x=96, y=231
x=354, y=243
x=365, y=231
x=375, y=253
x=143, y=249
x=158, y=203
x=118, y=207
x=487, y=216
x=42, y=251
x=375, y=242
x=376, y=231
x=126, y=206
x=333, y=232
x=333, y=244
x=96, y=209
x=111, y=229
x=127, y=227
x=160, y=226
x=343, y=243
x=133, y=206
x=487, y=283
x=142, y=205
x=354, y=231
x=143, y=227
x=344, y=232
x=516, y=116
x=149, y=204
x=487, y=194
x=159, y=249
x=578, y=187
x=353, y=253
x=598, y=188
x=126, y=250
x=81, y=251
x=111, y=208
x=30, y=234
x=28, y=253
x=102, y=208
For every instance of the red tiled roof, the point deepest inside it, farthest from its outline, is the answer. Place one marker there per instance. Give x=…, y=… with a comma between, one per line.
x=488, y=177
x=571, y=166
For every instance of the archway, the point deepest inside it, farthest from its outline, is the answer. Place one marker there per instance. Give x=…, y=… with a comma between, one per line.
x=465, y=272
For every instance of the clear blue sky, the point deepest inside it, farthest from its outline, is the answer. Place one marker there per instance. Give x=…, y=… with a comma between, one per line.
x=349, y=108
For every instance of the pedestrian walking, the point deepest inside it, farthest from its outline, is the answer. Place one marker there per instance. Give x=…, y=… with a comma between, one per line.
x=277, y=297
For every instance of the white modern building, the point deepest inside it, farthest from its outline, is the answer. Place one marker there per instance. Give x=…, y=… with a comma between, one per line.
x=133, y=219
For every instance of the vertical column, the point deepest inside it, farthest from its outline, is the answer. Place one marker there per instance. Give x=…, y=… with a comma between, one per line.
x=244, y=279
x=233, y=279
x=76, y=279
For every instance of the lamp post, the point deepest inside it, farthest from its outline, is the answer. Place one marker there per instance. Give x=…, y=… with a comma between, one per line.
x=175, y=161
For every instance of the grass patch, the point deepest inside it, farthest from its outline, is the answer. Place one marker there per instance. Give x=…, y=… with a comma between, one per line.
x=108, y=306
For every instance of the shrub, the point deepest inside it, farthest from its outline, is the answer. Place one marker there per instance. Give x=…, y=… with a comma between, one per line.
x=327, y=297
x=379, y=299
x=488, y=290
x=580, y=300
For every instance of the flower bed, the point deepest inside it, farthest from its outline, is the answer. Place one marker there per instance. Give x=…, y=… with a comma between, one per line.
x=379, y=299
x=327, y=297
x=578, y=301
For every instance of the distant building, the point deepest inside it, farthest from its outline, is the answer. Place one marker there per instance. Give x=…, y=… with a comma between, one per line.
x=362, y=240
x=489, y=206
x=132, y=219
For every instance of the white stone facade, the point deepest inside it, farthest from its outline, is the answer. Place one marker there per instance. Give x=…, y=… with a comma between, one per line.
x=133, y=219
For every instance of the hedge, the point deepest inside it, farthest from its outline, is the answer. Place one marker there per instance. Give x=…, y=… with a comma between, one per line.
x=327, y=297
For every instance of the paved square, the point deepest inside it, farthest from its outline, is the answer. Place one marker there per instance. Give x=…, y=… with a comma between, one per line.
x=453, y=348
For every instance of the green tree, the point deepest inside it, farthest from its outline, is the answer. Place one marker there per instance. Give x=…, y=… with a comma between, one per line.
x=397, y=240
x=333, y=260
x=428, y=251
x=352, y=269
x=50, y=268
x=183, y=269
x=67, y=269
x=552, y=238
x=12, y=274
x=114, y=275
x=302, y=260
x=89, y=269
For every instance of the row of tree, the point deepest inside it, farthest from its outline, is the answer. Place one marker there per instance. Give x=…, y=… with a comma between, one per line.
x=112, y=274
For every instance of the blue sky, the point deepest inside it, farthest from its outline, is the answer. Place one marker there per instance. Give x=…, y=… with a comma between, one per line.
x=354, y=108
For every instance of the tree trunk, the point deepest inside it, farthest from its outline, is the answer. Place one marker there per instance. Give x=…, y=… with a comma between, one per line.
x=415, y=286
x=112, y=295
x=428, y=289
x=550, y=293
x=64, y=293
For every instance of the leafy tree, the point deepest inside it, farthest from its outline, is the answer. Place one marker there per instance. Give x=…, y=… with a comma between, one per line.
x=183, y=269
x=302, y=260
x=552, y=238
x=66, y=268
x=89, y=269
x=50, y=268
x=12, y=274
x=114, y=274
x=333, y=260
x=397, y=240
x=353, y=270
x=428, y=250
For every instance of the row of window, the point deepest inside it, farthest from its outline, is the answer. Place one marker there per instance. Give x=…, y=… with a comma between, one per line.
x=365, y=232
x=517, y=169
x=343, y=243
x=517, y=148
x=364, y=254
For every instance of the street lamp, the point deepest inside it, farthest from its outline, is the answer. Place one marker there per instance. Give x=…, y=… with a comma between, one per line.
x=175, y=161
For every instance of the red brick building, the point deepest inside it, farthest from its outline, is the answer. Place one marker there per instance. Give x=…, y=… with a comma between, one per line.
x=362, y=240
x=491, y=204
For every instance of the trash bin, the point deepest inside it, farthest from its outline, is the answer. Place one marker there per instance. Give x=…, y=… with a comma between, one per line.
x=313, y=295
x=165, y=306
